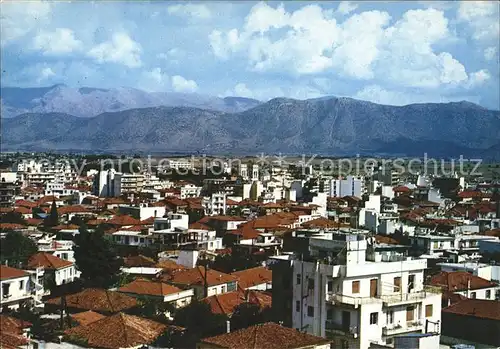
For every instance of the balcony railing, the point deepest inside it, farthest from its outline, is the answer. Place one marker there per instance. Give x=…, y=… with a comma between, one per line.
x=356, y=301
x=341, y=329
x=408, y=326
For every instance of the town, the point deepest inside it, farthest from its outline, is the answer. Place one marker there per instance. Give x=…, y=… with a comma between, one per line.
x=261, y=252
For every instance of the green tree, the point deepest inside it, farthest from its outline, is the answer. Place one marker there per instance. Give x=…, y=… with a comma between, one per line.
x=96, y=260
x=13, y=217
x=16, y=249
x=199, y=322
x=53, y=218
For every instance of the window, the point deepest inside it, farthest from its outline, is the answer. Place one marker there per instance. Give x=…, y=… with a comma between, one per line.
x=297, y=306
x=428, y=310
x=473, y=295
x=409, y=313
x=310, y=284
x=223, y=289
x=355, y=287
x=373, y=318
x=390, y=317
x=21, y=284
x=488, y=294
x=329, y=314
x=298, y=279
x=329, y=286
x=310, y=311
x=5, y=290
x=397, y=284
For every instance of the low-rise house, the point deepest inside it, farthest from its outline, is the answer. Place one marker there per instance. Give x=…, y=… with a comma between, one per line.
x=203, y=281
x=465, y=284
x=226, y=303
x=258, y=278
x=14, y=332
x=116, y=332
x=86, y=317
x=15, y=287
x=95, y=299
x=56, y=269
x=268, y=335
x=475, y=320
x=158, y=291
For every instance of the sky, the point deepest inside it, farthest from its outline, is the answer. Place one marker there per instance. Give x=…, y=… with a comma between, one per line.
x=385, y=52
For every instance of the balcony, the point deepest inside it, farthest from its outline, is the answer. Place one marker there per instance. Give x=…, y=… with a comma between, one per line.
x=408, y=298
x=335, y=328
x=335, y=298
x=409, y=326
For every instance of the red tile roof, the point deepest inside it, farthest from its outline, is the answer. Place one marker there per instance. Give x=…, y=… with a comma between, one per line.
x=480, y=308
x=149, y=288
x=253, y=276
x=200, y=226
x=98, y=300
x=65, y=227
x=269, y=335
x=10, y=273
x=25, y=203
x=123, y=220
x=196, y=276
x=401, y=189
x=34, y=221
x=11, y=334
x=23, y=210
x=320, y=222
x=13, y=226
x=87, y=317
x=459, y=281
x=118, y=331
x=138, y=261
x=48, y=261
x=72, y=209
x=226, y=303
x=246, y=232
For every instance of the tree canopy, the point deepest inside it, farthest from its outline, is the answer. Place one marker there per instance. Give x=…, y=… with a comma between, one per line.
x=96, y=259
x=16, y=249
x=53, y=218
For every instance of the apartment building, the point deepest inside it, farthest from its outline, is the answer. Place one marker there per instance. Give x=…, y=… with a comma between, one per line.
x=215, y=204
x=350, y=186
x=8, y=189
x=340, y=292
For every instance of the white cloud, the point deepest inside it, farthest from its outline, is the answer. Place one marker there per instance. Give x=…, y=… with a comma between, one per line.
x=478, y=78
x=121, y=49
x=154, y=80
x=60, y=41
x=346, y=7
x=20, y=18
x=377, y=94
x=490, y=53
x=482, y=17
x=364, y=46
x=45, y=74
x=190, y=10
x=180, y=84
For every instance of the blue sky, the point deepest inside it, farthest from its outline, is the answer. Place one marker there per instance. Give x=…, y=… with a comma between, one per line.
x=385, y=52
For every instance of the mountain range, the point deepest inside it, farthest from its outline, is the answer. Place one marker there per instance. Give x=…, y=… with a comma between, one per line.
x=327, y=125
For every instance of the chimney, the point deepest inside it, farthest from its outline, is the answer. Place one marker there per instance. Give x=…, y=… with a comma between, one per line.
x=228, y=326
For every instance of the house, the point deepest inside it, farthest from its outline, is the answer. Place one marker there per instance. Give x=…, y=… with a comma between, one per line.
x=203, y=281
x=95, y=299
x=475, y=320
x=340, y=291
x=14, y=332
x=226, y=303
x=86, y=317
x=116, y=332
x=258, y=278
x=465, y=284
x=268, y=335
x=158, y=291
x=55, y=268
x=15, y=287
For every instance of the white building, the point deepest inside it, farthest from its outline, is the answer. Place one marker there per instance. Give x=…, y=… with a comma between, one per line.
x=340, y=294
x=57, y=189
x=142, y=211
x=215, y=204
x=15, y=287
x=190, y=191
x=56, y=269
x=351, y=186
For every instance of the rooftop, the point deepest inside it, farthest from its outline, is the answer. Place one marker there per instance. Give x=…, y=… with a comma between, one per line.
x=98, y=300
x=480, y=308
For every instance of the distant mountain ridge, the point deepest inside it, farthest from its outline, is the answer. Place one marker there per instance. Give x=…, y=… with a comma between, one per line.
x=316, y=126
x=90, y=101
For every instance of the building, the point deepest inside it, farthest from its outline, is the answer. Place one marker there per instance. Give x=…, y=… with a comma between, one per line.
x=258, y=278
x=351, y=186
x=268, y=335
x=8, y=188
x=56, y=270
x=215, y=204
x=158, y=291
x=473, y=320
x=15, y=288
x=466, y=284
x=340, y=292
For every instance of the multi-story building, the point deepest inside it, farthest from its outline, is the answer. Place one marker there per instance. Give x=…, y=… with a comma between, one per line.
x=15, y=288
x=215, y=204
x=8, y=189
x=351, y=186
x=340, y=292
x=57, y=189
x=190, y=191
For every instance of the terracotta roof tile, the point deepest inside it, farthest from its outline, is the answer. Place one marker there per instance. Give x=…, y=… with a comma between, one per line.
x=118, y=331
x=200, y=226
x=98, y=300
x=459, y=281
x=320, y=222
x=34, y=221
x=123, y=220
x=253, y=276
x=138, y=261
x=87, y=317
x=150, y=288
x=25, y=203
x=269, y=335
x=480, y=308
x=13, y=226
x=196, y=276
x=246, y=232
x=10, y=273
x=48, y=261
